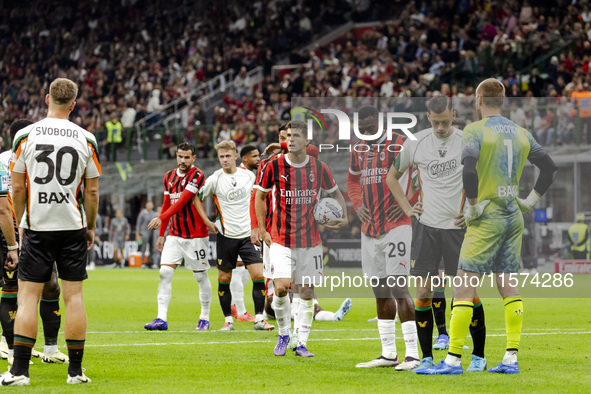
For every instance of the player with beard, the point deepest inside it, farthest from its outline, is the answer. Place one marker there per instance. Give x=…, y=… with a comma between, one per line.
x=187, y=240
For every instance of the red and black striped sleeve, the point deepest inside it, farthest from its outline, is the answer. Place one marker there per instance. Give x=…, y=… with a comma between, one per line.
x=327, y=179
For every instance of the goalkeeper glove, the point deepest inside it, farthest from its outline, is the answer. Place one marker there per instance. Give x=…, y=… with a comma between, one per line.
x=527, y=204
x=475, y=211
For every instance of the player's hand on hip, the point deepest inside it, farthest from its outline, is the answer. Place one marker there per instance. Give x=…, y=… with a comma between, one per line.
x=416, y=211
x=255, y=237
x=211, y=227
x=474, y=211
x=527, y=204
x=363, y=214
x=160, y=244
x=394, y=212
x=89, y=239
x=11, y=260
x=337, y=225
x=154, y=224
x=460, y=220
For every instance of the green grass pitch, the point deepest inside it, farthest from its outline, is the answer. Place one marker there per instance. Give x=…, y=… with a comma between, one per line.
x=120, y=356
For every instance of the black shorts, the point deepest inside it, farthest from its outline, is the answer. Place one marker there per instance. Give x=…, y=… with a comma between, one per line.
x=228, y=250
x=42, y=248
x=431, y=245
x=8, y=277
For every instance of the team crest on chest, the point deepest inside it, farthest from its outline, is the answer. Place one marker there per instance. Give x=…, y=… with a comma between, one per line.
x=382, y=156
x=233, y=181
x=442, y=150
x=312, y=177
x=183, y=182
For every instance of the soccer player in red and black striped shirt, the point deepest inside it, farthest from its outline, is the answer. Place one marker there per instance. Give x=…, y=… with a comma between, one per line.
x=294, y=240
x=188, y=237
x=386, y=237
x=254, y=226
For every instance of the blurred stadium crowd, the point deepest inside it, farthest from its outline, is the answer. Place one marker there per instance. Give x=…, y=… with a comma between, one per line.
x=131, y=58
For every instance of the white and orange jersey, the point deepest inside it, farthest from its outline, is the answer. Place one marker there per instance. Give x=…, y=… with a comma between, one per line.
x=56, y=155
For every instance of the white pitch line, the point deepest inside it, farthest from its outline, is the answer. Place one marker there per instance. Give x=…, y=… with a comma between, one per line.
x=315, y=340
x=325, y=330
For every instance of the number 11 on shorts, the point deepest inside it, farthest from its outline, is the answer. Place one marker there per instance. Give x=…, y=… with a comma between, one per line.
x=318, y=262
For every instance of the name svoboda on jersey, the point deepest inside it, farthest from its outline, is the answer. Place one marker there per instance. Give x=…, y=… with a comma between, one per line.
x=344, y=123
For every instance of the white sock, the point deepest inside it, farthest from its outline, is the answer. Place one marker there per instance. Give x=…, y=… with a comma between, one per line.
x=453, y=360
x=3, y=340
x=237, y=289
x=258, y=317
x=282, y=308
x=49, y=349
x=164, y=291
x=387, y=329
x=295, y=307
x=205, y=292
x=305, y=317
x=245, y=277
x=510, y=358
x=411, y=339
x=324, y=316
x=229, y=319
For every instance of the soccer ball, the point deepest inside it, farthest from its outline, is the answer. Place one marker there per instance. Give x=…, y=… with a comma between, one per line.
x=327, y=210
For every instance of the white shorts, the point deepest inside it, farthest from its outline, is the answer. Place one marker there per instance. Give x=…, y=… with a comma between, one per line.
x=387, y=255
x=192, y=250
x=266, y=262
x=301, y=265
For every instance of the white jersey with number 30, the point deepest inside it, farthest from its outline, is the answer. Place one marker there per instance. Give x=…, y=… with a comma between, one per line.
x=56, y=155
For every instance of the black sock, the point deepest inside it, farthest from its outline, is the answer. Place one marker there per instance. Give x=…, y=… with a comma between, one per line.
x=478, y=329
x=439, y=306
x=225, y=296
x=424, y=319
x=51, y=318
x=7, y=314
x=22, y=355
x=75, y=352
x=258, y=295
